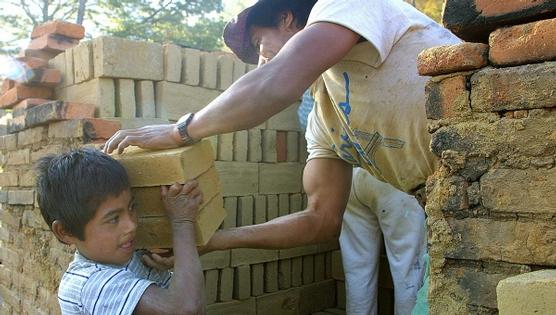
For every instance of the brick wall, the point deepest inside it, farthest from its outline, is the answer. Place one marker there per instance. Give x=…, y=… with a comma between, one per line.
x=491, y=205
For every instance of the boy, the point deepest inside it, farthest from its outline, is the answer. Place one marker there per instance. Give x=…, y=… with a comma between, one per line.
x=85, y=198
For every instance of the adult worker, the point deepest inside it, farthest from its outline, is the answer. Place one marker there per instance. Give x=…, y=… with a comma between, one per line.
x=369, y=112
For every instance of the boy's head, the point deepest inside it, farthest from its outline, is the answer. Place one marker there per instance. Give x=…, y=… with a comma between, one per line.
x=85, y=199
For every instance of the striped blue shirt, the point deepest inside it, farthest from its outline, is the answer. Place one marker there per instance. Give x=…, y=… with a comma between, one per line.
x=88, y=287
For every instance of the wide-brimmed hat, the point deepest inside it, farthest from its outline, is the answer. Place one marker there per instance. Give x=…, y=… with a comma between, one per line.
x=237, y=38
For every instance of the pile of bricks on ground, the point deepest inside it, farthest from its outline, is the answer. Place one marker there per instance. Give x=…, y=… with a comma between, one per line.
x=109, y=82
x=491, y=205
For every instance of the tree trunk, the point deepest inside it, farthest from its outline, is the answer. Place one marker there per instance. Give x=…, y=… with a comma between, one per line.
x=45, y=16
x=81, y=11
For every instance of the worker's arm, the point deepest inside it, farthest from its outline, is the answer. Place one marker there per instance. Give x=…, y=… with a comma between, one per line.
x=327, y=184
x=185, y=293
x=259, y=94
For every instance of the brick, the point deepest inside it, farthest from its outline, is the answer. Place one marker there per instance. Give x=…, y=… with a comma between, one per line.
x=337, y=266
x=242, y=282
x=45, y=150
x=452, y=58
x=280, y=178
x=11, y=298
x=123, y=58
x=308, y=269
x=303, y=154
x=19, y=157
x=283, y=204
x=27, y=178
x=519, y=242
x=149, y=202
x=529, y=293
x=297, y=271
x=21, y=92
x=175, y=99
x=448, y=98
x=296, y=203
x=8, y=179
x=215, y=260
x=211, y=286
x=8, y=142
x=58, y=63
x=259, y=212
x=230, y=172
x=225, y=71
x=21, y=107
x=21, y=197
x=285, y=120
x=99, y=129
x=319, y=267
x=317, y=296
x=239, y=69
x=5, y=237
x=279, y=303
x=519, y=191
x=271, y=276
x=180, y=164
x=292, y=149
x=57, y=110
x=209, y=62
x=69, y=76
x=244, y=256
x=528, y=43
x=100, y=91
x=226, y=147
x=38, y=53
x=281, y=146
x=172, y=63
x=241, y=145
x=191, y=69
x=214, y=143
x=83, y=62
x=226, y=288
x=230, y=204
x=34, y=220
x=125, y=98
x=269, y=146
x=299, y=251
x=31, y=136
x=245, y=211
x=473, y=20
x=328, y=265
x=8, y=84
x=271, y=207
x=284, y=274
x=243, y=307
x=10, y=219
x=257, y=279
x=255, y=153
x=144, y=93
x=33, y=63
x=3, y=196
x=52, y=43
x=66, y=29
x=521, y=87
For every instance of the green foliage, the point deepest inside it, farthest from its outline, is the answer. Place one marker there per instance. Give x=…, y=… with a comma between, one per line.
x=432, y=8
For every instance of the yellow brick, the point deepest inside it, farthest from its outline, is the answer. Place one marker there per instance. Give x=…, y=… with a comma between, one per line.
x=191, y=66
x=529, y=293
x=209, y=219
x=83, y=61
x=154, y=168
x=172, y=63
x=125, y=100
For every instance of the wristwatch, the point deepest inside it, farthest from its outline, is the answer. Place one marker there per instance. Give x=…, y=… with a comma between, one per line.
x=182, y=125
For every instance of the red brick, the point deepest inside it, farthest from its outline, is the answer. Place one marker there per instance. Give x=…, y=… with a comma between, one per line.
x=46, y=77
x=99, y=129
x=474, y=20
x=33, y=62
x=53, y=43
x=21, y=92
x=70, y=30
x=452, y=58
x=281, y=146
x=447, y=98
x=528, y=43
x=57, y=110
x=22, y=106
x=37, y=53
x=7, y=85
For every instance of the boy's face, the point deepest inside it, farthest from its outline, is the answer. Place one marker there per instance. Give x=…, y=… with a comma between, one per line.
x=110, y=235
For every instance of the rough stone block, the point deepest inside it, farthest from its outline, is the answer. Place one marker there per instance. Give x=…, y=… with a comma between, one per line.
x=191, y=69
x=21, y=197
x=255, y=153
x=452, y=58
x=125, y=98
x=242, y=282
x=230, y=175
x=226, y=288
x=209, y=70
x=245, y=256
x=31, y=136
x=144, y=93
x=57, y=110
x=21, y=92
x=269, y=146
x=225, y=147
x=271, y=276
x=100, y=92
x=19, y=157
x=257, y=279
x=8, y=179
x=448, y=98
x=473, y=20
x=280, y=178
x=175, y=99
x=83, y=62
x=530, y=293
x=528, y=43
x=172, y=63
x=52, y=43
x=225, y=71
x=241, y=146
x=8, y=142
x=180, y=164
x=123, y=58
x=59, y=27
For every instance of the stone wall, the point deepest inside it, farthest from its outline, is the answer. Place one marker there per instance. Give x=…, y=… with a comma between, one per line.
x=491, y=205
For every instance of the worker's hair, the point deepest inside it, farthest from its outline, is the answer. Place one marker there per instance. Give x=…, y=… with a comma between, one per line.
x=268, y=13
x=71, y=186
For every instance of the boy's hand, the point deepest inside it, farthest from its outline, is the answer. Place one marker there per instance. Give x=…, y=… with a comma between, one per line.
x=156, y=261
x=182, y=201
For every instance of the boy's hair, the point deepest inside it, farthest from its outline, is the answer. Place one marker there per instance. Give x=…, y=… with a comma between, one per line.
x=71, y=186
x=268, y=13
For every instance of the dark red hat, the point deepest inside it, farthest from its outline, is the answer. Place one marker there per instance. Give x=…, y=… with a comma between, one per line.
x=237, y=37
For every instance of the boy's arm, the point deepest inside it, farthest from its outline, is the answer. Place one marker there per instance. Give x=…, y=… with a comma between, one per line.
x=185, y=294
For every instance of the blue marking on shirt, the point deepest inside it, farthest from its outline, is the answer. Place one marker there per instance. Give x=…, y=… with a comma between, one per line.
x=345, y=106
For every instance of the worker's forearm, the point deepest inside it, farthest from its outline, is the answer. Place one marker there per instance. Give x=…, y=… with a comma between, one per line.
x=297, y=229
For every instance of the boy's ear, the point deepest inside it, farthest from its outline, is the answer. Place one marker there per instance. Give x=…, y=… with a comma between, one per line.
x=287, y=21
x=61, y=233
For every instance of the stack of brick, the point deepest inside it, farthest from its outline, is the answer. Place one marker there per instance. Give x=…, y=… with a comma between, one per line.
x=491, y=109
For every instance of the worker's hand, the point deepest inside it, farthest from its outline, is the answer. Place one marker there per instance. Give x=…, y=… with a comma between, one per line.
x=182, y=201
x=148, y=137
x=156, y=261
x=211, y=245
